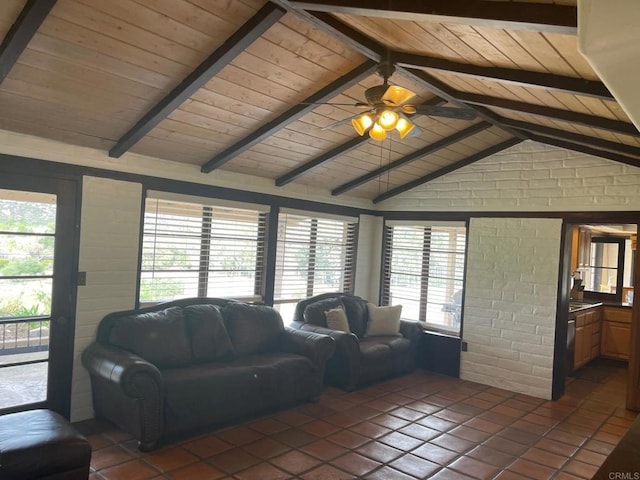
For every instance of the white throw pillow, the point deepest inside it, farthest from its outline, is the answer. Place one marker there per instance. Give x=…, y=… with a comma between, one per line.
x=337, y=320
x=383, y=320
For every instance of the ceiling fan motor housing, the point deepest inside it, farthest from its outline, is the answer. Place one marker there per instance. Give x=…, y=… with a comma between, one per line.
x=374, y=94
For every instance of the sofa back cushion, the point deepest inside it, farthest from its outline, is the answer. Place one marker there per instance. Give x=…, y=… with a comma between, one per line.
x=158, y=337
x=253, y=328
x=208, y=334
x=315, y=313
x=357, y=314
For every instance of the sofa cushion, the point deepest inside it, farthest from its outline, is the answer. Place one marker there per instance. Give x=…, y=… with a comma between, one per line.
x=383, y=320
x=374, y=351
x=158, y=337
x=357, y=314
x=252, y=328
x=209, y=338
x=315, y=313
x=337, y=320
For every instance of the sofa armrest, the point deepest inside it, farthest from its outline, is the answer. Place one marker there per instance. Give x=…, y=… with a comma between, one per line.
x=119, y=367
x=344, y=366
x=118, y=374
x=318, y=348
x=410, y=330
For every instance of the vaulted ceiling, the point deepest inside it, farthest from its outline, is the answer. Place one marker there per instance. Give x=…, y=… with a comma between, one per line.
x=250, y=86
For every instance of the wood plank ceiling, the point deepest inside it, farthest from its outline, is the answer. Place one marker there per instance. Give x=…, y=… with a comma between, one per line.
x=235, y=85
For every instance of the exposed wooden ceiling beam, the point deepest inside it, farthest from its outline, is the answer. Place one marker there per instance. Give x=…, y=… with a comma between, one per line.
x=572, y=137
x=448, y=169
x=377, y=52
x=541, y=17
x=616, y=157
x=21, y=32
x=336, y=152
x=615, y=126
x=323, y=158
x=523, y=78
x=445, y=91
x=294, y=113
x=420, y=153
x=266, y=17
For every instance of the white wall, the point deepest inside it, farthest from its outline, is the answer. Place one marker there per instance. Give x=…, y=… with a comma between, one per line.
x=529, y=177
x=369, y=257
x=109, y=239
x=513, y=264
x=510, y=303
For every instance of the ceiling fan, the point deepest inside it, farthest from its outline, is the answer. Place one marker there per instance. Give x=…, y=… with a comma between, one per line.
x=389, y=108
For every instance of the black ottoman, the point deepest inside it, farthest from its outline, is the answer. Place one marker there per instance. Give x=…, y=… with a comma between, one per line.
x=40, y=444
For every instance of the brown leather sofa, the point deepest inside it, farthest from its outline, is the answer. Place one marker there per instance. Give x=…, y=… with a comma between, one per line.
x=358, y=359
x=186, y=364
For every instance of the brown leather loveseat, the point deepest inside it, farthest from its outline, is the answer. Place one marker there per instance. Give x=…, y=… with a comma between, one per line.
x=359, y=358
x=186, y=364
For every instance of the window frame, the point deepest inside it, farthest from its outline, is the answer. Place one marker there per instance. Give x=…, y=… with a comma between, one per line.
x=424, y=276
x=610, y=297
x=207, y=232
x=349, y=254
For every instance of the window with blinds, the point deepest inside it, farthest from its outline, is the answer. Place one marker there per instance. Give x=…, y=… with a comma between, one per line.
x=314, y=255
x=424, y=271
x=194, y=250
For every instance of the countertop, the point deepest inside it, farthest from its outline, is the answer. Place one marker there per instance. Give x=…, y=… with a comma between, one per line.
x=578, y=306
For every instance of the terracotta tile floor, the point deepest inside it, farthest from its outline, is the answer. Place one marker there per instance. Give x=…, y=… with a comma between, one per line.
x=417, y=426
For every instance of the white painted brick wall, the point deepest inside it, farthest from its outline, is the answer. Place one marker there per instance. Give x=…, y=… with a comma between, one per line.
x=529, y=177
x=510, y=299
x=369, y=257
x=109, y=235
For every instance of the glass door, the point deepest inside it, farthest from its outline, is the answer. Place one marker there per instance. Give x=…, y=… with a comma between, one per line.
x=37, y=292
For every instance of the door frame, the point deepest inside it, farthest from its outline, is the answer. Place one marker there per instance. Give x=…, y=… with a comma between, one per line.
x=68, y=193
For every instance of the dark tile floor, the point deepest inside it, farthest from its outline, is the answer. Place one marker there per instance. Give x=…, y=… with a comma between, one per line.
x=417, y=426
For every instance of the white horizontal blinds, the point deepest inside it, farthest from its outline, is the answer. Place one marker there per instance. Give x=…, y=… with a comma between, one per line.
x=194, y=250
x=314, y=255
x=424, y=271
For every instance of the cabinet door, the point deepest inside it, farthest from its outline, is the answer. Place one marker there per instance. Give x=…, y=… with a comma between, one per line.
x=615, y=340
x=578, y=354
x=586, y=345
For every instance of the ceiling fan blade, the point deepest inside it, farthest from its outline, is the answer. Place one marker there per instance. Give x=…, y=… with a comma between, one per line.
x=447, y=112
x=396, y=95
x=339, y=123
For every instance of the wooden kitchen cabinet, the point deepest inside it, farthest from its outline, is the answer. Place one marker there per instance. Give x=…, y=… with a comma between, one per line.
x=616, y=333
x=587, y=339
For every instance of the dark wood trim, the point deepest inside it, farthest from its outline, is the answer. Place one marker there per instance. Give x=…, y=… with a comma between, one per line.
x=448, y=169
x=505, y=15
x=633, y=375
x=560, y=372
x=270, y=258
x=324, y=158
x=534, y=128
x=616, y=157
x=143, y=205
x=523, y=78
x=573, y=217
x=294, y=113
x=420, y=153
x=230, y=49
x=21, y=32
x=615, y=126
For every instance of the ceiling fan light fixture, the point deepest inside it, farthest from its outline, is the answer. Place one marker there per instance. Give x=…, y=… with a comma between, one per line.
x=396, y=95
x=409, y=109
x=362, y=123
x=377, y=132
x=388, y=120
x=404, y=127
